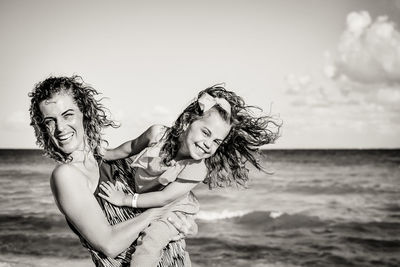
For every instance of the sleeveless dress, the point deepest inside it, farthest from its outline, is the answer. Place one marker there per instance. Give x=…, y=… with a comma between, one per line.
x=120, y=173
x=150, y=175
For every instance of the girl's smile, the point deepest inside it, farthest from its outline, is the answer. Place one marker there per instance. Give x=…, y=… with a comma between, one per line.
x=203, y=137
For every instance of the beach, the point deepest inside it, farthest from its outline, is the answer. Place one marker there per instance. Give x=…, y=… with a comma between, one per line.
x=312, y=208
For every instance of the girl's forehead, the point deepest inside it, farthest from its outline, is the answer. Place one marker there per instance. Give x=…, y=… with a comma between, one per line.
x=212, y=115
x=214, y=122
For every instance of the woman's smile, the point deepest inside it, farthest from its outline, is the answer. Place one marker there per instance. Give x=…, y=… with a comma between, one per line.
x=64, y=122
x=64, y=137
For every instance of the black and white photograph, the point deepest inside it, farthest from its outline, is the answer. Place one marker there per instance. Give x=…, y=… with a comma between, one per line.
x=200, y=133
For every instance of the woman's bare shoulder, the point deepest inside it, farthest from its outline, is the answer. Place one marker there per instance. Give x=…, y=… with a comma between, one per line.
x=65, y=174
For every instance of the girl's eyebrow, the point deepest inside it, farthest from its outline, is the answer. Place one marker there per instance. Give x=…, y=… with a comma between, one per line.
x=208, y=130
x=210, y=133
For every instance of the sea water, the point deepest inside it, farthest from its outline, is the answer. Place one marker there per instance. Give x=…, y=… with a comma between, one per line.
x=308, y=208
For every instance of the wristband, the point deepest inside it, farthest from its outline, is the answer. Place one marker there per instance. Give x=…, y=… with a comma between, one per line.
x=134, y=200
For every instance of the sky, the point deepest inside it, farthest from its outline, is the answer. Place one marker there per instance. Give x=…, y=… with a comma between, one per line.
x=328, y=70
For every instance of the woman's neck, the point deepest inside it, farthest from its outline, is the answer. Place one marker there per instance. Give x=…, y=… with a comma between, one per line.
x=82, y=156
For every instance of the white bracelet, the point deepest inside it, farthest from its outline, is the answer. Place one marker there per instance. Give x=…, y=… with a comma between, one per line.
x=134, y=200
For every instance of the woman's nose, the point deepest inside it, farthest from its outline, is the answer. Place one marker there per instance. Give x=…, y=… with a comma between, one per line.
x=60, y=125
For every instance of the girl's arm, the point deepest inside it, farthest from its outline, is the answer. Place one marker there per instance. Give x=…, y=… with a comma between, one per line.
x=191, y=175
x=170, y=193
x=146, y=200
x=134, y=146
x=74, y=199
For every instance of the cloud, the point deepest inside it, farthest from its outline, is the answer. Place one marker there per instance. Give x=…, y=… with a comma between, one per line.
x=365, y=68
x=156, y=115
x=15, y=120
x=297, y=84
x=357, y=91
x=368, y=51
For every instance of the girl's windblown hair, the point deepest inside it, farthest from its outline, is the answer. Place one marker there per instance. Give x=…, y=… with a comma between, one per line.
x=94, y=113
x=227, y=166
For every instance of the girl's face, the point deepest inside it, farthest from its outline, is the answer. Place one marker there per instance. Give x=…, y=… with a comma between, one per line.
x=203, y=137
x=64, y=122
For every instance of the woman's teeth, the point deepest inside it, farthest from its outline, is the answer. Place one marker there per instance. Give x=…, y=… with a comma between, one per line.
x=65, y=137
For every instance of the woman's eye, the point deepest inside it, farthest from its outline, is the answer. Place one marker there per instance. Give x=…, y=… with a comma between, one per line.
x=49, y=123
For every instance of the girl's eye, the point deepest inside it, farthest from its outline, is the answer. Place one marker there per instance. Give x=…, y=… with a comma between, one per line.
x=68, y=115
x=217, y=142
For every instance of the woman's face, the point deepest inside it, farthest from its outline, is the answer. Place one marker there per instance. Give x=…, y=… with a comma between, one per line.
x=203, y=136
x=64, y=122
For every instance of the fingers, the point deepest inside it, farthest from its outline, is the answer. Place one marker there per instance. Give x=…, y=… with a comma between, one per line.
x=103, y=196
x=107, y=187
x=111, y=185
x=180, y=223
x=185, y=225
x=177, y=237
x=177, y=224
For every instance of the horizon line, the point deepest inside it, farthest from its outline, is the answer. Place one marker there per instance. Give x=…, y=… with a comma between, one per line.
x=271, y=148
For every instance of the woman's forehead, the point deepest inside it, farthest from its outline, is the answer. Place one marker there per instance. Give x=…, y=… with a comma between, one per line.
x=58, y=102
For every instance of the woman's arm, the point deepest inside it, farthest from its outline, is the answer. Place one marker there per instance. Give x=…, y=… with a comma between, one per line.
x=146, y=200
x=75, y=200
x=134, y=146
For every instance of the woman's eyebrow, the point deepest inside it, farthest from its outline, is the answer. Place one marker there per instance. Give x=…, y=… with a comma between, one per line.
x=68, y=110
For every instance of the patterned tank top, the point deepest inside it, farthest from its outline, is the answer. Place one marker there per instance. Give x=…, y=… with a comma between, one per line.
x=120, y=173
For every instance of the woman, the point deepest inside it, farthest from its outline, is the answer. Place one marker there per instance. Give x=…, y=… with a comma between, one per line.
x=68, y=122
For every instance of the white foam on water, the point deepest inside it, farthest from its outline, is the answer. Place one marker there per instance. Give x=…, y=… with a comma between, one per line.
x=227, y=214
x=219, y=215
x=275, y=214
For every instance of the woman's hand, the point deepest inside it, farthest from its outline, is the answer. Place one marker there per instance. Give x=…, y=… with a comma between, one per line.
x=113, y=195
x=185, y=224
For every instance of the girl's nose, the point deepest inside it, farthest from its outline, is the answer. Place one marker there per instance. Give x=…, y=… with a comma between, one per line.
x=207, y=144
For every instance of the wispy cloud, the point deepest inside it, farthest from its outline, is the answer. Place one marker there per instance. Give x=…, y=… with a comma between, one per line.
x=15, y=120
x=141, y=120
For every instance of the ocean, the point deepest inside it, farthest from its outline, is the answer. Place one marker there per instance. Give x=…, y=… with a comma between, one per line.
x=310, y=208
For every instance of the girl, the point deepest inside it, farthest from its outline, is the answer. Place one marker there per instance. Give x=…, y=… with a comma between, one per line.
x=210, y=142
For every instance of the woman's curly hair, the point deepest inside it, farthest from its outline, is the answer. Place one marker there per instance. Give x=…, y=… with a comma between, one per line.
x=228, y=165
x=94, y=114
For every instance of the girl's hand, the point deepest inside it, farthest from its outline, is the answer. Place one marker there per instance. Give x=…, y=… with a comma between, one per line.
x=113, y=195
x=185, y=224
